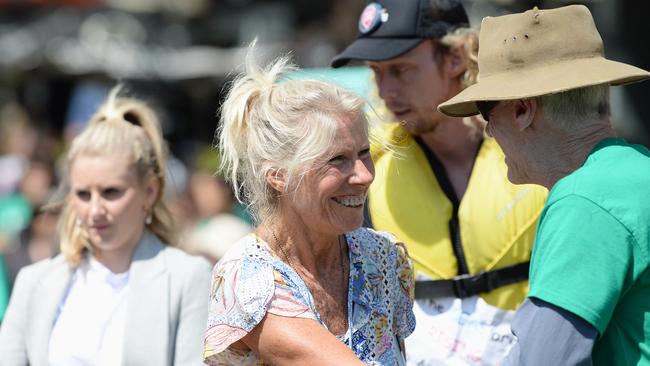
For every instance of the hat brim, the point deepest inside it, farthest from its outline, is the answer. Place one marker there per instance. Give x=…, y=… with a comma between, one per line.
x=544, y=79
x=375, y=49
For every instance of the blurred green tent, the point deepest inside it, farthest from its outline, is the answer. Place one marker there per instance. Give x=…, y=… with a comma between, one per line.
x=356, y=79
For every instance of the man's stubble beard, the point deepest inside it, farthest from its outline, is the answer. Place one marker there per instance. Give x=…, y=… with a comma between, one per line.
x=420, y=127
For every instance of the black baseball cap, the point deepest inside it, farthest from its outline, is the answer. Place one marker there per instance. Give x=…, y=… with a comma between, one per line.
x=389, y=28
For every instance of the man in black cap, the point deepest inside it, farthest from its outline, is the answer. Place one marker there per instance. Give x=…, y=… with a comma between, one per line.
x=442, y=187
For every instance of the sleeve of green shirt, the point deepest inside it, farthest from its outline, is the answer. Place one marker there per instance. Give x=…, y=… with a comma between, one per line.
x=583, y=259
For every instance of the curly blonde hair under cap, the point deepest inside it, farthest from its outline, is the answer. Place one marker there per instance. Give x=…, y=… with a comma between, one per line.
x=128, y=126
x=468, y=39
x=274, y=125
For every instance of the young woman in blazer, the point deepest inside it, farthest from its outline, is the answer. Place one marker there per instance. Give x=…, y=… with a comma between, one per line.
x=118, y=293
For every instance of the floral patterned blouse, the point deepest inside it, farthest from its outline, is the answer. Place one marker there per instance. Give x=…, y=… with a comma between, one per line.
x=250, y=281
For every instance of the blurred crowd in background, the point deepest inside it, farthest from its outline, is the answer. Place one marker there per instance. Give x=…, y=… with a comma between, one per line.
x=59, y=59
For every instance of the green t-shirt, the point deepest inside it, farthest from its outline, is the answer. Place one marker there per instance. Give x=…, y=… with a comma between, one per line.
x=591, y=251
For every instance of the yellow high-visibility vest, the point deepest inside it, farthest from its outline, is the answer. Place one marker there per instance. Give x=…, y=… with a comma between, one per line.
x=497, y=219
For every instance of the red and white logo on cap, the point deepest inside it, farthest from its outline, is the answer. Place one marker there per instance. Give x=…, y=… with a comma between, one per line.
x=373, y=15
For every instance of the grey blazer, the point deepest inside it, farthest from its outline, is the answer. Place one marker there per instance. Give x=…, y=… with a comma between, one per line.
x=166, y=310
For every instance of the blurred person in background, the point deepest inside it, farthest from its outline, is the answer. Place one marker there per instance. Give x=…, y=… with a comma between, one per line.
x=34, y=238
x=17, y=144
x=310, y=286
x=36, y=242
x=210, y=194
x=119, y=293
x=547, y=104
x=217, y=226
x=207, y=172
x=443, y=187
x=33, y=191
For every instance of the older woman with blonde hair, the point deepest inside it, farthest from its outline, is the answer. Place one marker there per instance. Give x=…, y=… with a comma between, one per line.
x=119, y=293
x=310, y=285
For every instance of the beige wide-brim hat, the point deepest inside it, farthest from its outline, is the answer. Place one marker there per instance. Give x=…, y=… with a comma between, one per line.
x=539, y=52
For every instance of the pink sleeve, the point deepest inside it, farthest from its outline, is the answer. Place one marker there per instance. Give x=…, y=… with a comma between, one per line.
x=243, y=291
x=283, y=303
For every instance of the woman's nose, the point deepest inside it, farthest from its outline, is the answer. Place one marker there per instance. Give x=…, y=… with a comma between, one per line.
x=364, y=172
x=97, y=206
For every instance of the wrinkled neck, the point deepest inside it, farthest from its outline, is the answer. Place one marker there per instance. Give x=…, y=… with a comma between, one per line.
x=564, y=151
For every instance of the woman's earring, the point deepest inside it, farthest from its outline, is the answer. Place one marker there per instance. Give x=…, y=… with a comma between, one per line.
x=77, y=221
x=148, y=219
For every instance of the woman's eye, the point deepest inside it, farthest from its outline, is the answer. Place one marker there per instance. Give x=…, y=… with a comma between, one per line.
x=364, y=153
x=83, y=195
x=337, y=159
x=112, y=193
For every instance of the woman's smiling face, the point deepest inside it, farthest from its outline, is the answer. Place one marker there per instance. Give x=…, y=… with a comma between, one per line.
x=330, y=198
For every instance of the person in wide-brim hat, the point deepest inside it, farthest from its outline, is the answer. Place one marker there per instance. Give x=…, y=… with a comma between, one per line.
x=539, y=52
x=544, y=90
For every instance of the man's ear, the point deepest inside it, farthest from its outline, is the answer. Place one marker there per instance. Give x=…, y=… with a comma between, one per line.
x=456, y=61
x=276, y=179
x=525, y=110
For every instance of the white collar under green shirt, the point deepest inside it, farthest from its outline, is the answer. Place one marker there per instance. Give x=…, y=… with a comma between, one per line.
x=89, y=329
